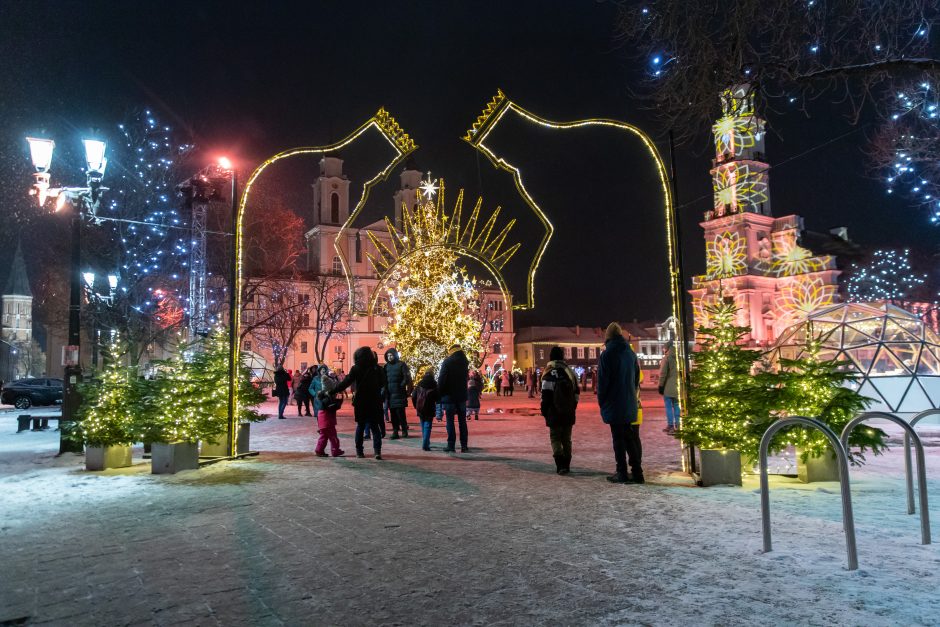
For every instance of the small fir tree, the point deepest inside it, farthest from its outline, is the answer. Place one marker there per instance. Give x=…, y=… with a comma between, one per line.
x=727, y=398
x=816, y=388
x=109, y=402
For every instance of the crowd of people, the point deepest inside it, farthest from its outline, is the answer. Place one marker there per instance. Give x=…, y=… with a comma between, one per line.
x=381, y=394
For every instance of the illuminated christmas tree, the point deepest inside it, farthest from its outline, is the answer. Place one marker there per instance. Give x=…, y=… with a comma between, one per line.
x=817, y=388
x=728, y=400
x=433, y=301
x=109, y=403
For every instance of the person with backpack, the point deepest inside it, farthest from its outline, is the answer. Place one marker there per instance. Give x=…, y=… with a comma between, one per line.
x=560, y=395
x=618, y=381
x=399, y=384
x=325, y=405
x=474, y=392
x=424, y=397
x=452, y=387
x=369, y=379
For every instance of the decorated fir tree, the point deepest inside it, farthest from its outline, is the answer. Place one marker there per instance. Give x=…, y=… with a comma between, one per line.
x=433, y=301
x=110, y=402
x=728, y=400
x=818, y=388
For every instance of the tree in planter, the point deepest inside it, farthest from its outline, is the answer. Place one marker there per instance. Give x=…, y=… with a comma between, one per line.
x=814, y=387
x=109, y=404
x=727, y=398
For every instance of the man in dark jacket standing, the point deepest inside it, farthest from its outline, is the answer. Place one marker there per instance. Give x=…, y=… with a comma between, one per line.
x=559, y=400
x=399, y=383
x=452, y=388
x=618, y=376
x=369, y=378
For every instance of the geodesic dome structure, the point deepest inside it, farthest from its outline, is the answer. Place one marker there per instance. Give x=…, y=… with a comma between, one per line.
x=897, y=355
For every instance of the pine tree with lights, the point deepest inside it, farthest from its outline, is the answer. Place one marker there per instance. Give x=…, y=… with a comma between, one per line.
x=728, y=400
x=108, y=413
x=817, y=388
x=433, y=301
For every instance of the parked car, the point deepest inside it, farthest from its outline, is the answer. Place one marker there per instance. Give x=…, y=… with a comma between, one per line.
x=25, y=393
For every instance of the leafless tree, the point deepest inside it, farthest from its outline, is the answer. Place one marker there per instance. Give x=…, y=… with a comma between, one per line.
x=329, y=307
x=855, y=54
x=491, y=321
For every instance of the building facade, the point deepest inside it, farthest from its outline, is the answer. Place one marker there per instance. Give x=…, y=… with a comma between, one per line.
x=752, y=257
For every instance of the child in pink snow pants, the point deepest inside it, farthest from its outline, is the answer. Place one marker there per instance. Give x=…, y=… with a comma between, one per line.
x=320, y=389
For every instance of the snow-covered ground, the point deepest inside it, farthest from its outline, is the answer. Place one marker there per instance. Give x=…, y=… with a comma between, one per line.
x=490, y=537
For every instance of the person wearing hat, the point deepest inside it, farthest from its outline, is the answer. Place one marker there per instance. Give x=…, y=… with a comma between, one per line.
x=324, y=408
x=618, y=378
x=560, y=396
x=452, y=391
x=399, y=384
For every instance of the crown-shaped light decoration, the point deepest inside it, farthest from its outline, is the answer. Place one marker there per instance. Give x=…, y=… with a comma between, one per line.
x=390, y=127
x=429, y=226
x=488, y=116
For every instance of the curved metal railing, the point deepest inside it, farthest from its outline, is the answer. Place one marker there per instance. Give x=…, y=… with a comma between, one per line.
x=909, y=434
x=848, y=521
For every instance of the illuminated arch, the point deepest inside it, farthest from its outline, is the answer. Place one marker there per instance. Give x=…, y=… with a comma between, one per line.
x=401, y=143
x=490, y=118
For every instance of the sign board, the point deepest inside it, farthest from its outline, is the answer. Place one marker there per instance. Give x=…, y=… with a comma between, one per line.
x=69, y=355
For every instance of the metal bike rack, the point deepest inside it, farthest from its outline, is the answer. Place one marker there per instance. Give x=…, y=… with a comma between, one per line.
x=909, y=433
x=848, y=521
x=907, y=456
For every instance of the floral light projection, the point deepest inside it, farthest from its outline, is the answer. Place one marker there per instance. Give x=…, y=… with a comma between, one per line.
x=804, y=294
x=740, y=187
x=790, y=259
x=725, y=256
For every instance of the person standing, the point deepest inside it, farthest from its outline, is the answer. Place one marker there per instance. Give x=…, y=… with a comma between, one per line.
x=560, y=397
x=398, y=386
x=452, y=388
x=369, y=379
x=669, y=388
x=511, y=381
x=618, y=378
x=505, y=381
x=301, y=390
x=474, y=391
x=424, y=398
x=498, y=382
x=325, y=405
x=281, y=391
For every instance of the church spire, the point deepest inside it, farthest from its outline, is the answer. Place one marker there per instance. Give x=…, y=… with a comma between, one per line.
x=18, y=281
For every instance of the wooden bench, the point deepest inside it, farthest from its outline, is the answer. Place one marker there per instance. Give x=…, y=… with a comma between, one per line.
x=39, y=423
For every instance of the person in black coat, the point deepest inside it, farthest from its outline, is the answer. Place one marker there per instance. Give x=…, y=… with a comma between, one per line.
x=398, y=376
x=424, y=398
x=281, y=390
x=452, y=388
x=301, y=393
x=370, y=382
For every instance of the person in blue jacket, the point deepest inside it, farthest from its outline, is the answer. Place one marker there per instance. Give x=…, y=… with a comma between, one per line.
x=618, y=377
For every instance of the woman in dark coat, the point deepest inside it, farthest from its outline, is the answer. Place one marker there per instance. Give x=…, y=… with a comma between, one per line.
x=370, y=382
x=301, y=392
x=281, y=390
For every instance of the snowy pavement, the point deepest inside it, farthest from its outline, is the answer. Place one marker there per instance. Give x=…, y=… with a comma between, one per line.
x=490, y=537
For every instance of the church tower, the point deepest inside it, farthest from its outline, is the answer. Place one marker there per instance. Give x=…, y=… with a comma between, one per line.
x=331, y=192
x=408, y=193
x=17, y=303
x=751, y=256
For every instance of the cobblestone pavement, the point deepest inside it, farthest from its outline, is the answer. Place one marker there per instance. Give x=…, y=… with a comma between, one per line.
x=490, y=537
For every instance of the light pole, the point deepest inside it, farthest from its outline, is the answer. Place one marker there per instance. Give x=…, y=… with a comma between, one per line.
x=82, y=199
x=227, y=166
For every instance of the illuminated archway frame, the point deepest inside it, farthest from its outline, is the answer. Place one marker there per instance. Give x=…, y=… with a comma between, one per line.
x=400, y=142
x=490, y=118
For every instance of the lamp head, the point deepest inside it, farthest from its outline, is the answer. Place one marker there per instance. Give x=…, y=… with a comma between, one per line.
x=89, y=279
x=94, y=157
x=225, y=163
x=113, y=281
x=40, y=151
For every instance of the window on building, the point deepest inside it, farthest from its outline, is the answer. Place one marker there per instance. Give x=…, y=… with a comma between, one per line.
x=337, y=265
x=590, y=352
x=303, y=366
x=247, y=345
x=305, y=320
x=497, y=348
x=567, y=350
x=497, y=305
x=334, y=208
x=303, y=349
x=580, y=352
x=306, y=299
x=541, y=354
x=358, y=248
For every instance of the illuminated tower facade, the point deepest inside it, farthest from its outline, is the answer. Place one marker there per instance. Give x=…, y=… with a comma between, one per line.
x=751, y=256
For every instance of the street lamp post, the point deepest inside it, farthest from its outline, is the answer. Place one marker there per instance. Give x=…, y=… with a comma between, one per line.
x=83, y=200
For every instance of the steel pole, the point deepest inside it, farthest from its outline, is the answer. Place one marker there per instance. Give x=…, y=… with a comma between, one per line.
x=73, y=374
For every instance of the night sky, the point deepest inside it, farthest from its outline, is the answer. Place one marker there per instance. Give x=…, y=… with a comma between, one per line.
x=251, y=79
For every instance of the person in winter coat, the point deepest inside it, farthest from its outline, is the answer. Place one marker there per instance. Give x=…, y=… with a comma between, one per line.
x=560, y=395
x=282, y=381
x=425, y=398
x=669, y=388
x=507, y=383
x=474, y=391
x=369, y=379
x=399, y=385
x=498, y=383
x=301, y=390
x=618, y=377
x=452, y=387
x=320, y=390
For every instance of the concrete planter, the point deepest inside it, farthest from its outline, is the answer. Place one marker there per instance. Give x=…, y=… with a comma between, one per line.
x=170, y=458
x=822, y=468
x=104, y=457
x=719, y=467
x=220, y=449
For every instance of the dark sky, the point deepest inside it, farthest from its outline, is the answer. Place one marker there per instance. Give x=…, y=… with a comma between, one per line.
x=251, y=79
